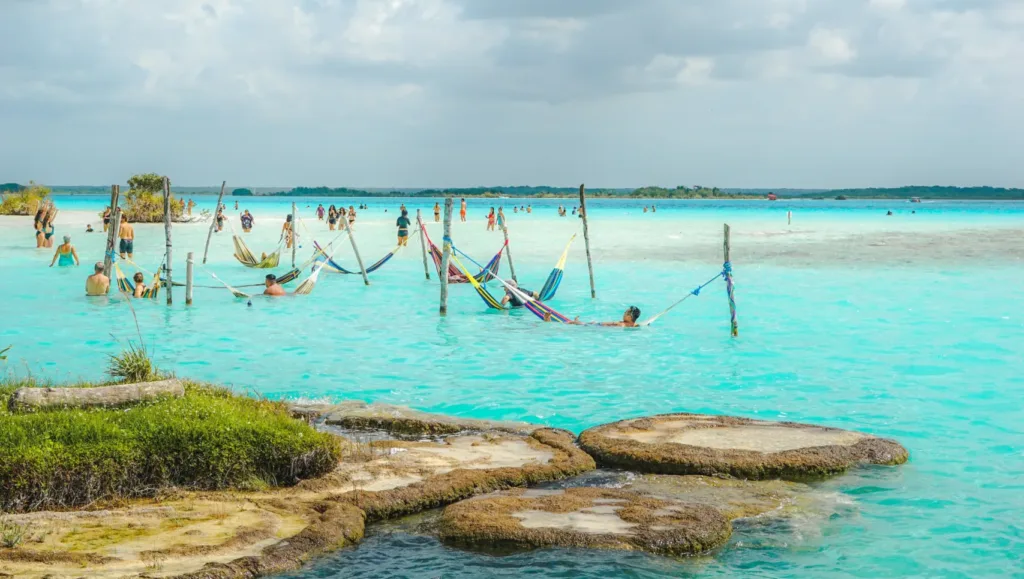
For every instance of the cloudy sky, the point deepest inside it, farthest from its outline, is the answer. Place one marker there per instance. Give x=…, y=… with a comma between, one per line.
x=616, y=93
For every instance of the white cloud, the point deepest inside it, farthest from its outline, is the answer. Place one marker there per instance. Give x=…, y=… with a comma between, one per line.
x=831, y=45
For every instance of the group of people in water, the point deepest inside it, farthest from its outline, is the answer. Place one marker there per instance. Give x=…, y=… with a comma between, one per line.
x=337, y=216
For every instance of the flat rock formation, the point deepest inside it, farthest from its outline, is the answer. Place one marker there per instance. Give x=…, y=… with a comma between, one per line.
x=194, y=536
x=399, y=420
x=585, y=518
x=392, y=478
x=29, y=399
x=739, y=447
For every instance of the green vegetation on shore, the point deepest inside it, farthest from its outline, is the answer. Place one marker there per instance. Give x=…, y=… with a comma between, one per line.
x=21, y=200
x=210, y=439
x=924, y=192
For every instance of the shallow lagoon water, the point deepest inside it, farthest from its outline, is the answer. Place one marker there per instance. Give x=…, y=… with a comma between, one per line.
x=845, y=320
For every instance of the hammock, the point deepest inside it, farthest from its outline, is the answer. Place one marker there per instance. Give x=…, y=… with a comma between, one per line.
x=331, y=265
x=244, y=255
x=487, y=273
x=542, y=311
x=555, y=277
x=125, y=285
x=306, y=287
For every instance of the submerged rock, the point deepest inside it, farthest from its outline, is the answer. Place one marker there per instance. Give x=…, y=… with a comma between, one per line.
x=739, y=447
x=585, y=518
x=399, y=420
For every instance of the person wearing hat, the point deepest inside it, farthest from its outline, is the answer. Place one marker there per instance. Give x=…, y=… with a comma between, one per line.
x=65, y=255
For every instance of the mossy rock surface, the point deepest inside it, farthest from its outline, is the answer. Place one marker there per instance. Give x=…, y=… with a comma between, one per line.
x=740, y=447
x=594, y=518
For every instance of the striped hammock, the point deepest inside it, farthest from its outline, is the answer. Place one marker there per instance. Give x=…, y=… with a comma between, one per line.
x=489, y=272
x=245, y=256
x=125, y=285
x=332, y=266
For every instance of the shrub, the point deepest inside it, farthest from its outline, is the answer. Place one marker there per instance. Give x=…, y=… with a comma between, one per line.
x=25, y=201
x=132, y=365
x=11, y=533
x=210, y=439
x=144, y=200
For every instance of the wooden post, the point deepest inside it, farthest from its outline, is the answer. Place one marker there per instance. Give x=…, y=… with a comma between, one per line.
x=213, y=222
x=115, y=226
x=188, y=279
x=423, y=244
x=586, y=239
x=167, y=235
x=446, y=254
x=355, y=250
x=295, y=237
x=508, y=253
x=727, y=271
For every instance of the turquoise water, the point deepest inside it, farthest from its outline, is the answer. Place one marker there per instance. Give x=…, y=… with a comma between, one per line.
x=922, y=351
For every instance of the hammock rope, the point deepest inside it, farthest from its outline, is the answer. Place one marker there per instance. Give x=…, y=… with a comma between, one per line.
x=727, y=267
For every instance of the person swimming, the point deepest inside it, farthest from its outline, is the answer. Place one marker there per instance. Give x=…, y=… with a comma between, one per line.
x=140, y=285
x=65, y=255
x=97, y=284
x=273, y=288
x=88, y=228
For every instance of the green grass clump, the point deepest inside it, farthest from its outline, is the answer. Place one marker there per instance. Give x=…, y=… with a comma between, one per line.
x=132, y=365
x=211, y=439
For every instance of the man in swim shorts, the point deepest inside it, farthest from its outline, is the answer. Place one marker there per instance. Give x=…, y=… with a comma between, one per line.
x=97, y=284
x=127, y=235
x=273, y=288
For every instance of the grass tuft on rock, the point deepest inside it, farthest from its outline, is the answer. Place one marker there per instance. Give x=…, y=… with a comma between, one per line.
x=211, y=439
x=132, y=365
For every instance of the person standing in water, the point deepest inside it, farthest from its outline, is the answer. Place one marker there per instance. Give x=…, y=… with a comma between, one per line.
x=106, y=219
x=490, y=220
x=403, y=224
x=127, y=236
x=462, y=210
x=97, y=284
x=190, y=205
x=65, y=253
x=288, y=233
x=332, y=217
x=236, y=205
x=51, y=215
x=320, y=212
x=437, y=212
x=273, y=288
x=220, y=219
x=247, y=221
x=501, y=218
x=351, y=216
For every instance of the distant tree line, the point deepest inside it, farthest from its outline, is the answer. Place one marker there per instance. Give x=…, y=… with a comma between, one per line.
x=924, y=192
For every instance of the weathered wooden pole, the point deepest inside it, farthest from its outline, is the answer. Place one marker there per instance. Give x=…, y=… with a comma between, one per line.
x=295, y=237
x=446, y=254
x=423, y=244
x=213, y=222
x=188, y=278
x=115, y=226
x=355, y=250
x=586, y=239
x=508, y=253
x=167, y=235
x=727, y=272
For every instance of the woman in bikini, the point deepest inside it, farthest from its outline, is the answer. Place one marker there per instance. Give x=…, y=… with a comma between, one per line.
x=65, y=255
x=106, y=219
x=351, y=216
x=287, y=232
x=490, y=220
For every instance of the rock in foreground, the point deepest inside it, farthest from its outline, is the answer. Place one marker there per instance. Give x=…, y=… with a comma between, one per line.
x=585, y=518
x=739, y=447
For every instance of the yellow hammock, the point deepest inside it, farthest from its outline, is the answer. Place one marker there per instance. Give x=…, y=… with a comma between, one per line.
x=244, y=255
x=125, y=285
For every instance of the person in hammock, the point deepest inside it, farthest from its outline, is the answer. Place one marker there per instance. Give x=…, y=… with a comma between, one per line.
x=512, y=299
x=140, y=285
x=629, y=319
x=274, y=289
